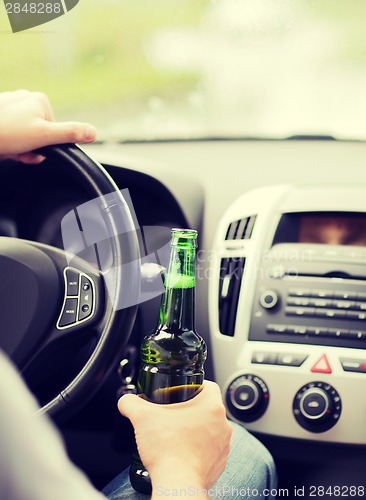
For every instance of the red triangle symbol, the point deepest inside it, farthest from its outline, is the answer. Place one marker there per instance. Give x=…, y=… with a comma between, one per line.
x=322, y=365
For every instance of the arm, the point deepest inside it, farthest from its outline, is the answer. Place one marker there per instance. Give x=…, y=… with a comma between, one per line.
x=27, y=123
x=33, y=461
x=182, y=445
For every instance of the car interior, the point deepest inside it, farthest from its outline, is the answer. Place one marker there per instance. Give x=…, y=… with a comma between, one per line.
x=247, y=123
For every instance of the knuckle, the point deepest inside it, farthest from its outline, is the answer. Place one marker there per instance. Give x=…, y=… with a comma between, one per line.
x=74, y=134
x=219, y=410
x=214, y=387
x=228, y=437
x=229, y=429
x=41, y=97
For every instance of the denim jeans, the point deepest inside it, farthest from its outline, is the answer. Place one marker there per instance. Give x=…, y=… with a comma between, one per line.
x=250, y=473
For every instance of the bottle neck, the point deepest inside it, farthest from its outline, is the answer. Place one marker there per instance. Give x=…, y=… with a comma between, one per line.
x=177, y=310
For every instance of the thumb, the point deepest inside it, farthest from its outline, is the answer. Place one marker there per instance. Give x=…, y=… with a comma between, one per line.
x=62, y=132
x=132, y=406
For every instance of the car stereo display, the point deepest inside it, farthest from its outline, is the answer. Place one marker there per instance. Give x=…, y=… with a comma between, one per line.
x=331, y=228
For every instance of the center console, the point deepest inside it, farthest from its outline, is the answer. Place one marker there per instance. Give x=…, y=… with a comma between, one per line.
x=287, y=308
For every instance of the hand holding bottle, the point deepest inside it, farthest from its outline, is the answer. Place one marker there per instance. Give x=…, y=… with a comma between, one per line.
x=183, y=445
x=173, y=355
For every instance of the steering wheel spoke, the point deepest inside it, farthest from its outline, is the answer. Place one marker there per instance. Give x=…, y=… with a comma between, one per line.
x=82, y=301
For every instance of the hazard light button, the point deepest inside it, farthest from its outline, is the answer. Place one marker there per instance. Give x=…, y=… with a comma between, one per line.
x=322, y=365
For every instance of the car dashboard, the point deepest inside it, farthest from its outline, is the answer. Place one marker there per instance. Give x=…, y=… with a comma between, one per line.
x=283, y=315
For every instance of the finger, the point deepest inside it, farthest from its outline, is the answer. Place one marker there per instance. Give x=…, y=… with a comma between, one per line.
x=131, y=406
x=29, y=158
x=212, y=388
x=63, y=132
x=15, y=95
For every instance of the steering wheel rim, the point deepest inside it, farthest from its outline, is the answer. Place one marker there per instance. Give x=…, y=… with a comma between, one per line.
x=124, y=248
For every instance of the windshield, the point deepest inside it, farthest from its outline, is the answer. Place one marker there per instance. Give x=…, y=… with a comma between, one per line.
x=162, y=69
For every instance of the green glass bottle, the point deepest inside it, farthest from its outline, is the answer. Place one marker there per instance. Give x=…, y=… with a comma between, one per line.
x=172, y=356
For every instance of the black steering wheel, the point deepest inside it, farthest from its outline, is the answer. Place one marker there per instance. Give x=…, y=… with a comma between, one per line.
x=49, y=297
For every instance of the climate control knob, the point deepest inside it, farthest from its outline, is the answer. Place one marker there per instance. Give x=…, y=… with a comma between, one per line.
x=247, y=398
x=317, y=407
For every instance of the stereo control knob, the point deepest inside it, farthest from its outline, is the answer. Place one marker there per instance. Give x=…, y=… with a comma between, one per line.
x=247, y=398
x=317, y=406
x=268, y=299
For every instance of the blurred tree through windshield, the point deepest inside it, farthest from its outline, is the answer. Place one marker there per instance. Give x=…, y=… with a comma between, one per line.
x=147, y=69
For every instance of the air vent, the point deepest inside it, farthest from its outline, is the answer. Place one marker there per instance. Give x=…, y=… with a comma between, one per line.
x=229, y=290
x=241, y=229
